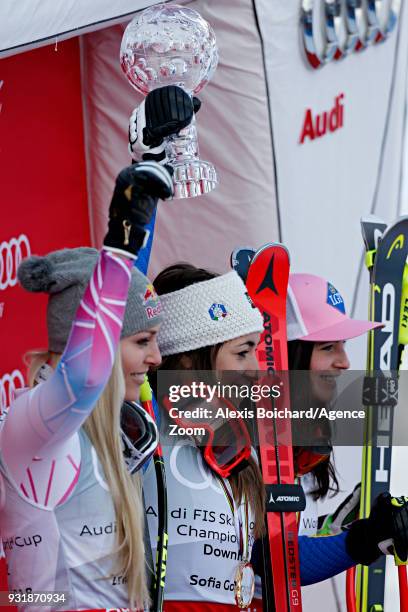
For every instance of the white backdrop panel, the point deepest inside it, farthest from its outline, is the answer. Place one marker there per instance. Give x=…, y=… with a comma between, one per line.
x=326, y=184
x=28, y=23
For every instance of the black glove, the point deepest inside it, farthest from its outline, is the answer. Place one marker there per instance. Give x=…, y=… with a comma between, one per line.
x=163, y=112
x=168, y=110
x=384, y=531
x=137, y=190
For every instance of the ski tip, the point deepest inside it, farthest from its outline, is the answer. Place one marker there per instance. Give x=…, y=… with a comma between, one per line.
x=372, y=219
x=399, y=221
x=241, y=259
x=236, y=252
x=269, y=245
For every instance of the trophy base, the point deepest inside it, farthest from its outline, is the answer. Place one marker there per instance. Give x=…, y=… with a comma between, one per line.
x=193, y=178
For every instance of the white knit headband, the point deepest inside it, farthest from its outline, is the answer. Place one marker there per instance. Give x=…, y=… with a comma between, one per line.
x=207, y=313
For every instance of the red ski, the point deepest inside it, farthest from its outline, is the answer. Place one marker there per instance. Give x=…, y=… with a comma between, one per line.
x=267, y=282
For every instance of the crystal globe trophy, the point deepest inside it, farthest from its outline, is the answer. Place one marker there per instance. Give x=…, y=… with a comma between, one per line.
x=169, y=44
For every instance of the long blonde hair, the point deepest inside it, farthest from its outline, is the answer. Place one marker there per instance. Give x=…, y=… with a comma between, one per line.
x=103, y=428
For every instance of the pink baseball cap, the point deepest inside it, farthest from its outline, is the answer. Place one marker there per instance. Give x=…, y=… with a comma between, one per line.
x=316, y=312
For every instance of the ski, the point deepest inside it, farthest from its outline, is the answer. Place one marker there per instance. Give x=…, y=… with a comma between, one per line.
x=241, y=258
x=267, y=281
x=385, y=259
x=372, y=229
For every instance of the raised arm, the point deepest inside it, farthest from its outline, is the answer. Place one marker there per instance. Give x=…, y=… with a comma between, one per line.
x=42, y=419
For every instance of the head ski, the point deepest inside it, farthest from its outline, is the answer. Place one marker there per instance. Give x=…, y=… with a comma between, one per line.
x=385, y=258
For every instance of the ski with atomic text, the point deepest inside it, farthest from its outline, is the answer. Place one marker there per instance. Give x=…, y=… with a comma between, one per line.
x=267, y=282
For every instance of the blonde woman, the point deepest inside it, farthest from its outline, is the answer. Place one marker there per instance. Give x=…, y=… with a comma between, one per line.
x=72, y=515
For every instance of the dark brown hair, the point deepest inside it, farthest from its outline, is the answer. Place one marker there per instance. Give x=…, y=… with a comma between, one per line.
x=299, y=358
x=249, y=480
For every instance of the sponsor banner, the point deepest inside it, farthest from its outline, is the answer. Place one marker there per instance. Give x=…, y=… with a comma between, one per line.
x=334, y=30
x=43, y=188
x=9, y=383
x=337, y=129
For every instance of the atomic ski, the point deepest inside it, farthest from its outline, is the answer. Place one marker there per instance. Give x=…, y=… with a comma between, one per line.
x=385, y=259
x=240, y=260
x=267, y=282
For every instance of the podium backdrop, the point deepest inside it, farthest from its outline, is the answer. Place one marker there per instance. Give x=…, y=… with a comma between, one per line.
x=301, y=154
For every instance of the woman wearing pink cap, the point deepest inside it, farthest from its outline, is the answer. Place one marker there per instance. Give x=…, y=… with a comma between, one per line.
x=318, y=327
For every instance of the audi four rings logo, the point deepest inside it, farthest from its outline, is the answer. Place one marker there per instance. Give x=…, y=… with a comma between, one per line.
x=11, y=255
x=8, y=385
x=333, y=29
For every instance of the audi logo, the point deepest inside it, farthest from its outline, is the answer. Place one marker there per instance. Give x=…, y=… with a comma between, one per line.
x=11, y=255
x=8, y=385
x=333, y=29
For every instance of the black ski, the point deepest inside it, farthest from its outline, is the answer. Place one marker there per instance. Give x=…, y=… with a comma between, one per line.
x=385, y=258
x=241, y=258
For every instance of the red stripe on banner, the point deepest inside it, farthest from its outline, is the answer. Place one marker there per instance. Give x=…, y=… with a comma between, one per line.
x=43, y=181
x=43, y=191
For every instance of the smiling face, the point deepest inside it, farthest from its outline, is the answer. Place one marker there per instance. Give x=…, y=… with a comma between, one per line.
x=327, y=362
x=139, y=352
x=238, y=354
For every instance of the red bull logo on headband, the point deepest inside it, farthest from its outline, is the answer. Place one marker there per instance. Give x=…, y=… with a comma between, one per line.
x=149, y=294
x=153, y=311
x=153, y=307
x=334, y=298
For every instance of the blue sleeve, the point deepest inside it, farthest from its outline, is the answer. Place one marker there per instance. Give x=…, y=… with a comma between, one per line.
x=322, y=557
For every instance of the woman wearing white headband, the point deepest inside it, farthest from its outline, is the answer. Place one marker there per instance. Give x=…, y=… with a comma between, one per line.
x=71, y=513
x=209, y=536
x=209, y=324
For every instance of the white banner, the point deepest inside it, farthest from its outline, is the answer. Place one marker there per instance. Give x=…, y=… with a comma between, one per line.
x=28, y=23
x=338, y=144
x=338, y=136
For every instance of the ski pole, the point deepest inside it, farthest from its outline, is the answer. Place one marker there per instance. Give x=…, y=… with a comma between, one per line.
x=351, y=589
x=401, y=564
x=146, y=399
x=403, y=587
x=403, y=340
